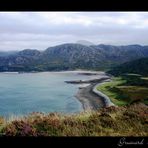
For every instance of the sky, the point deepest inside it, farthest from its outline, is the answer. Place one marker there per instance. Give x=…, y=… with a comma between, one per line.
x=40, y=30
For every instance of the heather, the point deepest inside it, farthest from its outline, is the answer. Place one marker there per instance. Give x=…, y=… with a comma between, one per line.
x=131, y=120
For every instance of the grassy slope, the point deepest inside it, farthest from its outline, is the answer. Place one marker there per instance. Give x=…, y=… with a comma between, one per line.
x=126, y=89
x=113, y=121
x=110, y=89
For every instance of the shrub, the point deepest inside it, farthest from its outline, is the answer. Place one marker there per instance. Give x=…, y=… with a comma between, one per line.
x=2, y=120
x=111, y=121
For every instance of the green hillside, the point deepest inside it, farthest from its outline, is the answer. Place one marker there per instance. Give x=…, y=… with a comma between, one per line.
x=139, y=66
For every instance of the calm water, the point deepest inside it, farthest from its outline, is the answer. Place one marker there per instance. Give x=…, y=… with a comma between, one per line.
x=23, y=93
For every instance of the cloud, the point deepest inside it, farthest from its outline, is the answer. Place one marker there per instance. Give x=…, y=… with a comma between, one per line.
x=20, y=30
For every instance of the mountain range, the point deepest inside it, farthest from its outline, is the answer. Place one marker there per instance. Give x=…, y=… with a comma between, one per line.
x=71, y=56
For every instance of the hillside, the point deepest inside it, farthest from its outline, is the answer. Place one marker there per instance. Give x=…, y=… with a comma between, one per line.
x=72, y=56
x=139, y=66
x=113, y=121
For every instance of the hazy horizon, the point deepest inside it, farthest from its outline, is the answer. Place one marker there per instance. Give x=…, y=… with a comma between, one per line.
x=40, y=30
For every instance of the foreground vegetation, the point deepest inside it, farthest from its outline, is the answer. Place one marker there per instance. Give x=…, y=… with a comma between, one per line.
x=113, y=121
x=126, y=89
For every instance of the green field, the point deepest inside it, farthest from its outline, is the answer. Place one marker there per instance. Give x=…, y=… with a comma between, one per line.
x=126, y=89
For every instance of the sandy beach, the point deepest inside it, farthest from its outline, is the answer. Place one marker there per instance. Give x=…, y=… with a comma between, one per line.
x=89, y=99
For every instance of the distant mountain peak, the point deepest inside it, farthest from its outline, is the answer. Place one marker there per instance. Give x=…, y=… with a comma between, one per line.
x=84, y=42
x=29, y=52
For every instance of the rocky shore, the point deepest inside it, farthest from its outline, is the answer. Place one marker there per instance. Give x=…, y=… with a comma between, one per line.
x=89, y=100
x=90, y=97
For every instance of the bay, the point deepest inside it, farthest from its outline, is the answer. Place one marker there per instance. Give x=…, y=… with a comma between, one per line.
x=21, y=94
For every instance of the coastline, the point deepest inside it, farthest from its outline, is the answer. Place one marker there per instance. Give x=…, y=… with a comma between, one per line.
x=78, y=71
x=88, y=99
x=91, y=98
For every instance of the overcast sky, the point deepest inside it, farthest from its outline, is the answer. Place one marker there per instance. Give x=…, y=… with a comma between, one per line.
x=40, y=30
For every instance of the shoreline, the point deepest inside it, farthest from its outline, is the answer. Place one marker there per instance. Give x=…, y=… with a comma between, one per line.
x=91, y=98
x=88, y=99
x=60, y=71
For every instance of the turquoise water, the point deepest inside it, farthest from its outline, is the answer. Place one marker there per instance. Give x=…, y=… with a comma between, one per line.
x=24, y=93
